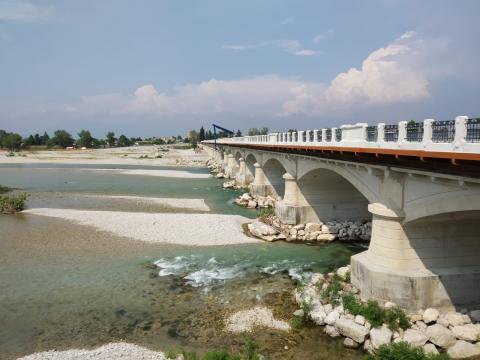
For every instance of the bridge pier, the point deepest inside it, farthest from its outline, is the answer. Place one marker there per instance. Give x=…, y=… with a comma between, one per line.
x=428, y=263
x=260, y=185
x=232, y=168
x=242, y=179
x=288, y=210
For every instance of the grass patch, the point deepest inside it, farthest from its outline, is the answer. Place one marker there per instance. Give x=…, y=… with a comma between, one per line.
x=12, y=204
x=332, y=292
x=265, y=212
x=395, y=318
x=404, y=351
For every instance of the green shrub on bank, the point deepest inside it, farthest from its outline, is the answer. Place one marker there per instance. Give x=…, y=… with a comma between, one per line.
x=332, y=292
x=4, y=189
x=12, y=204
x=404, y=351
x=395, y=318
x=265, y=212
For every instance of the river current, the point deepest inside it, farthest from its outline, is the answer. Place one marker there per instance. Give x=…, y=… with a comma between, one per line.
x=65, y=285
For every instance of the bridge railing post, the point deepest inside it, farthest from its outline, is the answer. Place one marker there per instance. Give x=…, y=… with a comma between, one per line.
x=324, y=135
x=300, y=136
x=380, y=134
x=460, y=132
x=402, y=132
x=315, y=136
x=427, y=132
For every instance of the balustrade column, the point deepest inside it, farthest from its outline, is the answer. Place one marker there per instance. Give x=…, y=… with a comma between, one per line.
x=402, y=132
x=460, y=130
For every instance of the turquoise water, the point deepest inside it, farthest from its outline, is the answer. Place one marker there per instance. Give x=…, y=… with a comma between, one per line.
x=63, y=285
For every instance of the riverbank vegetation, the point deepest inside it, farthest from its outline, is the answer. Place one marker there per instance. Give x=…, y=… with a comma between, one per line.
x=11, y=204
x=404, y=351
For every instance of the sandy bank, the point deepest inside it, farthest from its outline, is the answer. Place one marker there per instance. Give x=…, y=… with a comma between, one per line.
x=247, y=320
x=106, y=352
x=191, y=204
x=183, y=229
x=161, y=173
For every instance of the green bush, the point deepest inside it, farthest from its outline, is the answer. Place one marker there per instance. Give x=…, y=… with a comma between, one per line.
x=395, y=318
x=12, y=204
x=264, y=212
x=219, y=355
x=4, y=189
x=332, y=292
x=404, y=351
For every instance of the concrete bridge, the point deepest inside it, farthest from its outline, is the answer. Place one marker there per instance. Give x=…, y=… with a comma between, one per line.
x=418, y=182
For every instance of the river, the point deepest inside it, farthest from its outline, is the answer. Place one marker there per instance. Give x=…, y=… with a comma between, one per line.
x=65, y=285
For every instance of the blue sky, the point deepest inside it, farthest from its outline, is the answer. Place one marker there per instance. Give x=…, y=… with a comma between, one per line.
x=160, y=67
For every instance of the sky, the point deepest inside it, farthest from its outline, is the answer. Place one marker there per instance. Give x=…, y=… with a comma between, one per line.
x=155, y=67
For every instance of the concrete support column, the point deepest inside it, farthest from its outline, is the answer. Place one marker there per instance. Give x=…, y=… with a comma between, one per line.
x=288, y=209
x=260, y=184
x=241, y=177
x=232, y=167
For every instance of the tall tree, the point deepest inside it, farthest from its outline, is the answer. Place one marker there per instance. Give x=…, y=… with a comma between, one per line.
x=111, y=138
x=201, y=134
x=238, y=134
x=62, y=138
x=123, y=141
x=44, y=139
x=3, y=135
x=85, y=139
x=12, y=141
x=37, y=139
x=30, y=141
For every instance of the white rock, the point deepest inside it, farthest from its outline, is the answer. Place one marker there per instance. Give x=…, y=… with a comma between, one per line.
x=313, y=227
x=390, y=305
x=367, y=325
x=430, y=315
x=463, y=350
x=318, y=315
x=430, y=349
x=245, y=197
x=380, y=336
x=468, y=332
x=440, y=336
x=340, y=309
x=328, y=308
x=351, y=329
x=342, y=271
x=368, y=347
x=332, y=317
x=420, y=325
x=359, y=319
x=328, y=229
x=415, y=337
x=317, y=278
x=261, y=230
x=252, y=204
x=299, y=313
x=299, y=227
x=350, y=343
x=455, y=319
x=331, y=331
x=326, y=237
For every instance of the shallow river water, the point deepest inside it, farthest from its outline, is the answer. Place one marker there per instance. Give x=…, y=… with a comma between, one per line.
x=64, y=285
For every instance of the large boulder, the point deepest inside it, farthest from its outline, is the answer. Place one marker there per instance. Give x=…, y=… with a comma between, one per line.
x=351, y=329
x=463, y=350
x=380, y=336
x=318, y=314
x=440, y=336
x=313, y=227
x=430, y=315
x=415, y=337
x=342, y=271
x=331, y=331
x=455, y=319
x=262, y=230
x=350, y=343
x=429, y=348
x=468, y=332
x=326, y=237
x=332, y=317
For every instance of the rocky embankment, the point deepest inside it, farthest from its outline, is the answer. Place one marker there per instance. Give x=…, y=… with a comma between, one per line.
x=330, y=300
x=270, y=228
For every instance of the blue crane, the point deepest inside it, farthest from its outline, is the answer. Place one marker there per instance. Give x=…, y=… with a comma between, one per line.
x=215, y=127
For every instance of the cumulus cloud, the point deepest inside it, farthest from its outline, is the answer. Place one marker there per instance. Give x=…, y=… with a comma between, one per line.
x=24, y=11
x=388, y=75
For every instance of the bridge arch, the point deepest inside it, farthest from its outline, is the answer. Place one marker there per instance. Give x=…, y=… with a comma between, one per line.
x=326, y=195
x=274, y=171
x=250, y=161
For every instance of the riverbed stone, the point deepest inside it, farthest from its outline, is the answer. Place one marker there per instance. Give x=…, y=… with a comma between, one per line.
x=350, y=343
x=468, y=332
x=331, y=331
x=359, y=319
x=261, y=230
x=430, y=315
x=380, y=336
x=415, y=337
x=351, y=329
x=342, y=271
x=475, y=315
x=299, y=313
x=318, y=315
x=455, y=319
x=326, y=237
x=463, y=350
x=440, y=336
x=313, y=227
x=429, y=348
x=368, y=347
x=332, y=317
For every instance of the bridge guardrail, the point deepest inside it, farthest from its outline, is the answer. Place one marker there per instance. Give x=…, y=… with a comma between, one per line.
x=459, y=135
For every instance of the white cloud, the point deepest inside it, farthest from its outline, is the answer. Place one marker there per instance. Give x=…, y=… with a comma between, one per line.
x=320, y=37
x=388, y=75
x=24, y=11
x=293, y=47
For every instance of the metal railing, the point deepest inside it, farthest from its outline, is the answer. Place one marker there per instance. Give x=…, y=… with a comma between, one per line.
x=319, y=135
x=414, y=132
x=443, y=131
x=390, y=133
x=338, y=134
x=372, y=133
x=473, y=130
x=311, y=136
x=304, y=136
x=328, y=135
